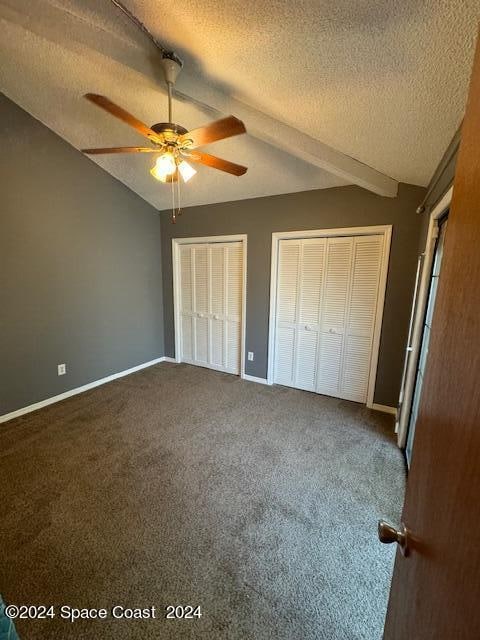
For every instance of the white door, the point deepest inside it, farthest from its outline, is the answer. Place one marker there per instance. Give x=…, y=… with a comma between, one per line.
x=299, y=299
x=210, y=280
x=326, y=309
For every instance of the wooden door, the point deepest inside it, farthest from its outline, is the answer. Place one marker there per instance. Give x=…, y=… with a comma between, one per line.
x=435, y=591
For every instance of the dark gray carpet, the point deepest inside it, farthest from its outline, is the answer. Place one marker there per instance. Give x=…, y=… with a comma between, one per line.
x=180, y=485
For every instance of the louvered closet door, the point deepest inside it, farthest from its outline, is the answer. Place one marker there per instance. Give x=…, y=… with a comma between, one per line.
x=200, y=296
x=234, y=294
x=186, y=304
x=217, y=306
x=327, y=292
x=334, y=315
x=211, y=292
x=286, y=316
x=226, y=289
x=299, y=300
x=362, y=308
x=348, y=315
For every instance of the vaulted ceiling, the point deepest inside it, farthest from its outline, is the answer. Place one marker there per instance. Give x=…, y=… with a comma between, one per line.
x=331, y=93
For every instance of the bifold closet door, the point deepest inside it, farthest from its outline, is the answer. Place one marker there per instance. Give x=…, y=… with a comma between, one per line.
x=299, y=302
x=211, y=291
x=200, y=306
x=327, y=296
x=233, y=306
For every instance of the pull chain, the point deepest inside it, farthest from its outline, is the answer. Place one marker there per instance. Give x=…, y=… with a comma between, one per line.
x=174, y=217
x=179, y=207
x=176, y=210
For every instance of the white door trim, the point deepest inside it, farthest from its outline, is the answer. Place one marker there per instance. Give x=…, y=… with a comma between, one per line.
x=413, y=349
x=386, y=231
x=176, y=243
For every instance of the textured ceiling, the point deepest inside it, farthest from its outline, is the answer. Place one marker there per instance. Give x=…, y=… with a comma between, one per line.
x=384, y=82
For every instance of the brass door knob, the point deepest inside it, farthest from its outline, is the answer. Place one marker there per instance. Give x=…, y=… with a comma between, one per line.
x=388, y=534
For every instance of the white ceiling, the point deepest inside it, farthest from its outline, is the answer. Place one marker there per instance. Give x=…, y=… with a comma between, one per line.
x=383, y=82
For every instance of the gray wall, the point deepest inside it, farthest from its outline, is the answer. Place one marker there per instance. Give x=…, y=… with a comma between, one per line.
x=80, y=267
x=328, y=208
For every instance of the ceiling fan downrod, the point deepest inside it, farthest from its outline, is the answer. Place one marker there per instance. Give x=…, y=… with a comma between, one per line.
x=171, y=68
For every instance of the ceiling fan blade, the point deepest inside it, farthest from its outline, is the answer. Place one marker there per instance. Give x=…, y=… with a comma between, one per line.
x=216, y=163
x=218, y=130
x=116, y=111
x=121, y=150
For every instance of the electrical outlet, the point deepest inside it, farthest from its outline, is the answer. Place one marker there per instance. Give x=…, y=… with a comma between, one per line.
x=62, y=369
x=251, y=355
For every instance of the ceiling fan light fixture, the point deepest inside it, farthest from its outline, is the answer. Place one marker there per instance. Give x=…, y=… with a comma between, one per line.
x=170, y=140
x=186, y=170
x=165, y=166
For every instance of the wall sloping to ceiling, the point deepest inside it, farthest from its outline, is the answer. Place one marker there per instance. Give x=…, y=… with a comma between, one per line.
x=80, y=267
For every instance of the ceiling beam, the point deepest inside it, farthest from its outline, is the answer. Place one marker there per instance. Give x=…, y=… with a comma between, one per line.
x=287, y=138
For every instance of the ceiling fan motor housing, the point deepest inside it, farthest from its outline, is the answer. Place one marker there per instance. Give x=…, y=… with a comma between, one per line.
x=168, y=127
x=169, y=132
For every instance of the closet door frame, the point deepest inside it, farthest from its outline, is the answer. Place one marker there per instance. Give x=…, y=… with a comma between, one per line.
x=386, y=232
x=176, y=244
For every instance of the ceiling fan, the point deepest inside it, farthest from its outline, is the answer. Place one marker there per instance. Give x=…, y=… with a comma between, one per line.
x=172, y=143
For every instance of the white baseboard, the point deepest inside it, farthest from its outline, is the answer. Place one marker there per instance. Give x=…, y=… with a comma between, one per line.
x=255, y=379
x=376, y=407
x=96, y=383
x=384, y=408
x=77, y=390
